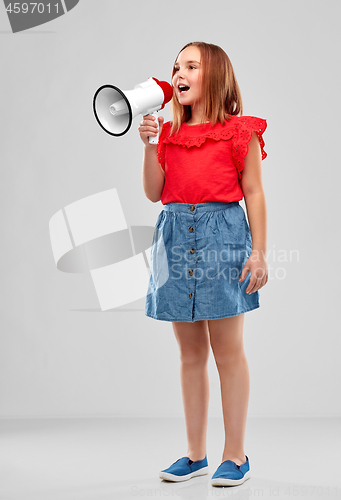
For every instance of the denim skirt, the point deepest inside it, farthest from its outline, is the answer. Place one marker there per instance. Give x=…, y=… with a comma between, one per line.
x=198, y=253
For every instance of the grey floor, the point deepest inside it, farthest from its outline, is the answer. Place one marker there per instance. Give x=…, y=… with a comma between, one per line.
x=120, y=458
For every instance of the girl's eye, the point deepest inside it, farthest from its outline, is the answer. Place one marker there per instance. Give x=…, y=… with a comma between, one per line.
x=191, y=67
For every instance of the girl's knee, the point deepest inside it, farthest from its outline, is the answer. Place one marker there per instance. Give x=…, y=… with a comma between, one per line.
x=229, y=359
x=190, y=355
x=193, y=340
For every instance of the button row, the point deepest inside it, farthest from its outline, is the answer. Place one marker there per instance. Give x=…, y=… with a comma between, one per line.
x=192, y=249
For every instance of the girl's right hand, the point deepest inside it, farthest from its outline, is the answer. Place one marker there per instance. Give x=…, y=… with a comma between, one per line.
x=148, y=128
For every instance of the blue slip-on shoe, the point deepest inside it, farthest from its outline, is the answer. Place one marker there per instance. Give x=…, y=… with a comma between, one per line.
x=231, y=474
x=184, y=469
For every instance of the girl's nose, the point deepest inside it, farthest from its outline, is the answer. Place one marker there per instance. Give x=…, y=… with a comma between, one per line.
x=177, y=79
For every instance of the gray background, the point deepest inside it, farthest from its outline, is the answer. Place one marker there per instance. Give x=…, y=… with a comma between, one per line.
x=60, y=355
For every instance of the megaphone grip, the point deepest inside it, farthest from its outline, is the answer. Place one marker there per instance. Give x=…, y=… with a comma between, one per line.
x=155, y=139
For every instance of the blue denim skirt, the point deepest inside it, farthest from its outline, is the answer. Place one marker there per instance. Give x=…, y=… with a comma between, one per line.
x=198, y=253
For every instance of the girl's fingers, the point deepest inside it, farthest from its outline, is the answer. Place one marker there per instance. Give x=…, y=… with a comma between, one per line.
x=256, y=286
x=244, y=273
x=148, y=130
x=161, y=120
x=148, y=125
x=249, y=289
x=257, y=282
x=148, y=120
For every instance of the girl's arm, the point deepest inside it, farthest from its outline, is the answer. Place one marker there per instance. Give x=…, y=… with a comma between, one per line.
x=153, y=176
x=252, y=187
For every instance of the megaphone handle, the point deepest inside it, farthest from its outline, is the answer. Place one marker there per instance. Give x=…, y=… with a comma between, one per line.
x=155, y=139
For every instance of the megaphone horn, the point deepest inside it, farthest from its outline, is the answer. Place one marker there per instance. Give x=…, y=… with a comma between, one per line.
x=115, y=109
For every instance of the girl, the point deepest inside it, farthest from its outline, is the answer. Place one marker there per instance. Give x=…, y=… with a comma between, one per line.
x=206, y=269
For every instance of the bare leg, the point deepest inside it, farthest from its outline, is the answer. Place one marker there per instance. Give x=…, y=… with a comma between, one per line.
x=226, y=337
x=194, y=345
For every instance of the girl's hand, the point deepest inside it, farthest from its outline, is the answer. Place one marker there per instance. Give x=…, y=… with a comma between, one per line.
x=256, y=264
x=148, y=128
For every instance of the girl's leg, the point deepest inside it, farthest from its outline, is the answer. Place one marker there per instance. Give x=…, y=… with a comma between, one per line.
x=194, y=345
x=226, y=337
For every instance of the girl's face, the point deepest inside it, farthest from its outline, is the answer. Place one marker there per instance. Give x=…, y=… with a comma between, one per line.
x=186, y=79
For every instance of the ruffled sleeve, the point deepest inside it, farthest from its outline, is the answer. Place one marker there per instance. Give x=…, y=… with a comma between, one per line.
x=161, y=147
x=245, y=126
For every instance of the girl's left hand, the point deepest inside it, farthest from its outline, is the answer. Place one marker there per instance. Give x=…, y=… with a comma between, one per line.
x=256, y=264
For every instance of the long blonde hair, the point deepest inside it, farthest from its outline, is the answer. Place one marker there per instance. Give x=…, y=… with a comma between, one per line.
x=220, y=90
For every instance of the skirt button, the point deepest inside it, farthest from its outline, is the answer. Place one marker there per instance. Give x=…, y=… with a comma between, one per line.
x=192, y=250
x=190, y=296
x=191, y=272
x=190, y=229
x=192, y=208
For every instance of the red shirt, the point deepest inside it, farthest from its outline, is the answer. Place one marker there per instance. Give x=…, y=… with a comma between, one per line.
x=204, y=163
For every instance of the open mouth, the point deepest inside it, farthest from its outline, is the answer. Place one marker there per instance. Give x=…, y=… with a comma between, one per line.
x=183, y=88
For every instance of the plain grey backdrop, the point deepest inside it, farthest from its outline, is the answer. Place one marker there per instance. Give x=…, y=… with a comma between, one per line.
x=60, y=356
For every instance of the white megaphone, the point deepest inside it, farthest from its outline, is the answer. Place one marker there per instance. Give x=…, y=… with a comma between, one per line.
x=115, y=109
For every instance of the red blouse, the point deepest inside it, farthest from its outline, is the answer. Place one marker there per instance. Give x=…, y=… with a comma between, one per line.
x=204, y=163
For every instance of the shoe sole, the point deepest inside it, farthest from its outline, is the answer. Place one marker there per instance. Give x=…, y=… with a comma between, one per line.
x=220, y=481
x=172, y=477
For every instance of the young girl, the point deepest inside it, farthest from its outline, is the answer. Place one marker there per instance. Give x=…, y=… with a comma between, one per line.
x=205, y=268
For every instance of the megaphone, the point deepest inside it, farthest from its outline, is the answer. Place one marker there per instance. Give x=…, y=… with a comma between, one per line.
x=115, y=109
